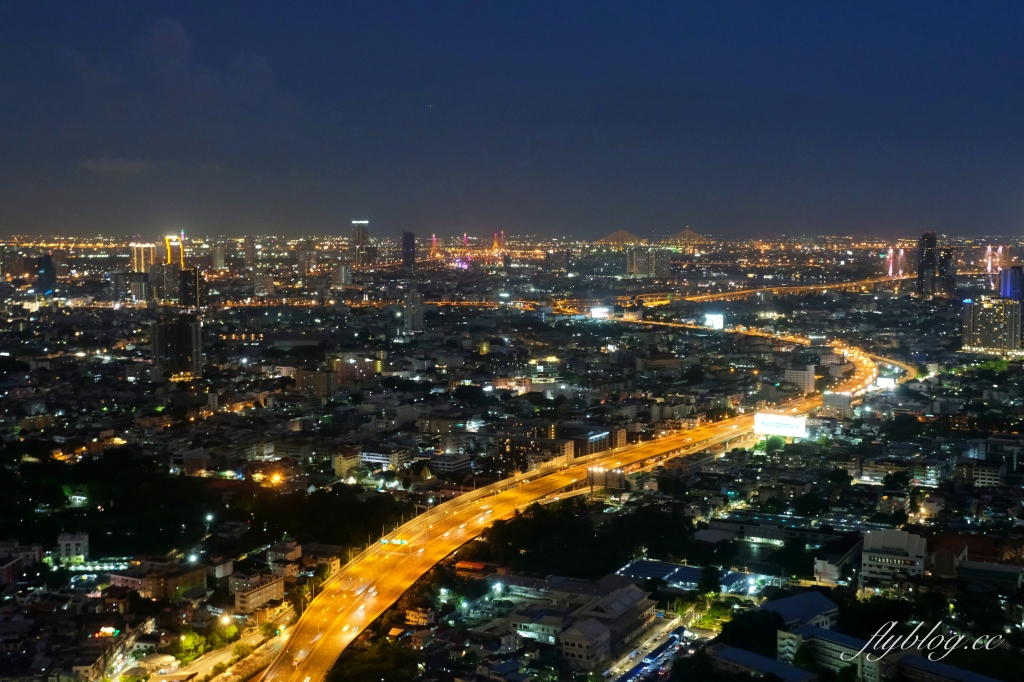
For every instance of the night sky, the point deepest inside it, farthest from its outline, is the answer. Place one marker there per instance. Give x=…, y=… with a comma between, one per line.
x=294, y=118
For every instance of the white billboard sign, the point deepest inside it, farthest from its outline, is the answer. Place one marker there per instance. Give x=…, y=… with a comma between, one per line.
x=885, y=383
x=771, y=424
x=714, y=321
x=600, y=313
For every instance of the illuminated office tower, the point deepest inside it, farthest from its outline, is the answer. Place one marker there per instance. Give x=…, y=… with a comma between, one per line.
x=178, y=347
x=408, y=251
x=249, y=252
x=360, y=233
x=175, y=246
x=412, y=312
x=143, y=256
x=991, y=325
x=1011, y=283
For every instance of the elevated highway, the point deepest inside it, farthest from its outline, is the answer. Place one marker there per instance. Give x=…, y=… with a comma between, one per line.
x=664, y=298
x=368, y=585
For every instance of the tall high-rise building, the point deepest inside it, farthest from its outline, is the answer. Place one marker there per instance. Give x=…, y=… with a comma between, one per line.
x=139, y=287
x=927, y=263
x=992, y=325
x=218, y=254
x=341, y=275
x=120, y=288
x=143, y=256
x=556, y=261
x=660, y=263
x=1011, y=283
x=408, y=251
x=638, y=262
x=165, y=279
x=362, y=252
x=264, y=284
x=412, y=312
x=132, y=286
x=936, y=267
x=360, y=233
x=175, y=246
x=644, y=261
x=305, y=257
x=249, y=252
x=946, y=272
x=191, y=292
x=46, y=275
x=178, y=347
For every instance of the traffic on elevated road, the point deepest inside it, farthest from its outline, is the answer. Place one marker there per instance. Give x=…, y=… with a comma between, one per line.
x=368, y=585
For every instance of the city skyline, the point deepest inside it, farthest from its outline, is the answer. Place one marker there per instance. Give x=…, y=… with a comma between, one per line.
x=511, y=342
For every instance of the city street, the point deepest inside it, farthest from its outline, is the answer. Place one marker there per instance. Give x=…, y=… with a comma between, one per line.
x=205, y=663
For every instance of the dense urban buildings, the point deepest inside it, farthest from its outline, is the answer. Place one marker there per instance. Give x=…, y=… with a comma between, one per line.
x=715, y=398
x=513, y=342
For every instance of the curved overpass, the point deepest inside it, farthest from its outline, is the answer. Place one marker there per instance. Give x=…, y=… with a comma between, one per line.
x=368, y=585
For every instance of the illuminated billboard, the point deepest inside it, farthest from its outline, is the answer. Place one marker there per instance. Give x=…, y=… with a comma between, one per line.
x=600, y=313
x=714, y=321
x=885, y=382
x=771, y=424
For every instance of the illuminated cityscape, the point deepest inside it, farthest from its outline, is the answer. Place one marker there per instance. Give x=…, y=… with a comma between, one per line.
x=473, y=409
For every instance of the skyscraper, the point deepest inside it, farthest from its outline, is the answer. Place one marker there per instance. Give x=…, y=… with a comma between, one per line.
x=946, y=279
x=166, y=281
x=660, y=262
x=936, y=268
x=305, y=257
x=190, y=291
x=342, y=275
x=643, y=261
x=249, y=252
x=175, y=246
x=408, y=251
x=361, y=250
x=264, y=284
x=992, y=325
x=178, y=347
x=1011, y=283
x=638, y=262
x=412, y=312
x=143, y=256
x=556, y=261
x=46, y=275
x=218, y=258
x=360, y=233
x=927, y=263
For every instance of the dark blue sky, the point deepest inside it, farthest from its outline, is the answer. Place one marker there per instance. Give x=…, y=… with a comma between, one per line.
x=737, y=119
